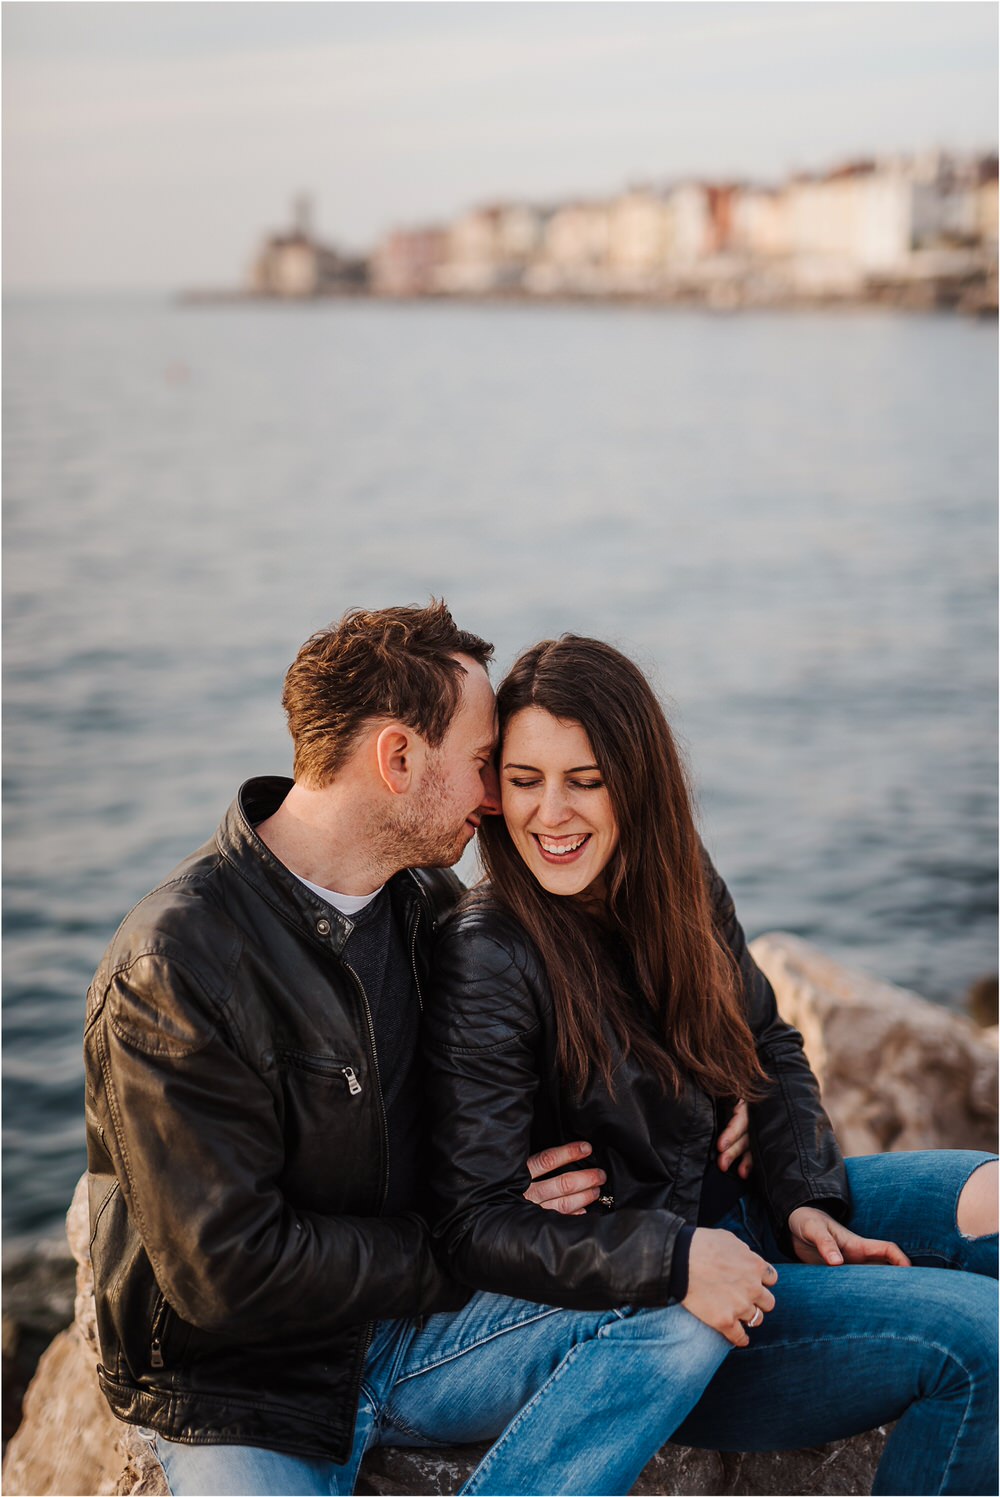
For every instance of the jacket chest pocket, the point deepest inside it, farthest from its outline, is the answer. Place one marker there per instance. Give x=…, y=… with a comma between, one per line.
x=329, y=1108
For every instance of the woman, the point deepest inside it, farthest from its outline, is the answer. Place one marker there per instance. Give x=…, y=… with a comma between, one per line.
x=599, y=987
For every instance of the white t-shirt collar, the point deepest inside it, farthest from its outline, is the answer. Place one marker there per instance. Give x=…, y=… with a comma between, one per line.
x=347, y=904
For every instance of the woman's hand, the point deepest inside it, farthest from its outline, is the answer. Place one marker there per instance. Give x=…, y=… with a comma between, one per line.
x=818, y=1238
x=571, y=1192
x=727, y=1283
x=734, y=1142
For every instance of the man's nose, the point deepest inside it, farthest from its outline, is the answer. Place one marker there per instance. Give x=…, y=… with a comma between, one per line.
x=490, y=803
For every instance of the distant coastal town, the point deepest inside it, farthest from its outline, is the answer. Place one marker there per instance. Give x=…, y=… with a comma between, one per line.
x=915, y=232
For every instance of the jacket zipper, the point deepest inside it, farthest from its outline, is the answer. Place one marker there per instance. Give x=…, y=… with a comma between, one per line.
x=421, y=1319
x=413, y=958
x=370, y=1327
x=348, y=1072
x=156, y=1333
x=325, y=1068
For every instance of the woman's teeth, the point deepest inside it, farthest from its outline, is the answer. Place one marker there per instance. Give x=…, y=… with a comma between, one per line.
x=561, y=849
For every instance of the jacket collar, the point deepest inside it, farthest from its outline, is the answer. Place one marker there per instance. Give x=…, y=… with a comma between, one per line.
x=241, y=847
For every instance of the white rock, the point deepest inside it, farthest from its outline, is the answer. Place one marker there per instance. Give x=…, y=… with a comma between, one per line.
x=896, y=1072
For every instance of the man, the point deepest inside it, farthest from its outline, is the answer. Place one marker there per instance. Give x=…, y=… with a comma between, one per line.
x=264, y=1277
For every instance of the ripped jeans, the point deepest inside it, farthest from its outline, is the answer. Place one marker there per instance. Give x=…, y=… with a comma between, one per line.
x=846, y=1349
x=577, y=1402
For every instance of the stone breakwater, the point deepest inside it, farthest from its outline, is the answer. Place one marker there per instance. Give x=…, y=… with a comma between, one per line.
x=897, y=1073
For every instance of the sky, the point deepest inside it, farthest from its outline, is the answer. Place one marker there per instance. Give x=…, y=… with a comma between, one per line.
x=151, y=145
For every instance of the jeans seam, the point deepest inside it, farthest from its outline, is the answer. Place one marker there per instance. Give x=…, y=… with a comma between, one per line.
x=489, y=1459
x=421, y=1435
x=958, y=1434
x=919, y=1250
x=367, y=1394
x=890, y=1336
x=504, y=1330
x=368, y=1388
x=965, y=1415
x=151, y=1441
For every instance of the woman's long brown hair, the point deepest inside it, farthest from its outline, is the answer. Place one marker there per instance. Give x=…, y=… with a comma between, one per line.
x=657, y=896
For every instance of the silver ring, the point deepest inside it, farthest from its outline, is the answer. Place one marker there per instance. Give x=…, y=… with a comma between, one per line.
x=758, y=1316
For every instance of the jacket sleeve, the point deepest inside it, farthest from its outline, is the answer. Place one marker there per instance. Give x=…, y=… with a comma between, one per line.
x=482, y=1056
x=797, y=1160
x=197, y=1147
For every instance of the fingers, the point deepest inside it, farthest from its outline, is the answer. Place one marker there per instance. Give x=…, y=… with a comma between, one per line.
x=732, y=1133
x=852, y=1248
x=762, y=1304
x=728, y=1284
x=737, y=1151
x=568, y=1183
x=570, y=1192
x=871, y=1250
x=817, y=1236
x=767, y=1273
x=752, y=1317
x=559, y=1157
x=826, y=1245
x=572, y=1205
x=816, y=1230
x=734, y=1140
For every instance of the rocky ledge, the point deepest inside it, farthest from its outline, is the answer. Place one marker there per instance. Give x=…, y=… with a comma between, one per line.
x=896, y=1072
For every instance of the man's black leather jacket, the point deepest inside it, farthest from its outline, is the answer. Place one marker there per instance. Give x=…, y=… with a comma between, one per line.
x=493, y=1082
x=237, y=1152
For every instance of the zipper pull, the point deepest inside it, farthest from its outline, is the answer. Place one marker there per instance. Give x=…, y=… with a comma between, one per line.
x=353, y=1084
x=156, y=1355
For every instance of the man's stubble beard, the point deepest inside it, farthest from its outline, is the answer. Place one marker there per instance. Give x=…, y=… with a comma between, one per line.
x=415, y=837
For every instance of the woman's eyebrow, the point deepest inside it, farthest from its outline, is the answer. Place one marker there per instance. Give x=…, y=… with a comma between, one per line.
x=579, y=769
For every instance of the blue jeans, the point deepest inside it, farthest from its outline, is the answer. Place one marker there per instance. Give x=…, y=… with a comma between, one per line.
x=550, y=1383
x=581, y=1400
x=846, y=1349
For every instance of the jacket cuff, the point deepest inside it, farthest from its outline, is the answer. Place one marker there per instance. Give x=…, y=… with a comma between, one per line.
x=677, y=1284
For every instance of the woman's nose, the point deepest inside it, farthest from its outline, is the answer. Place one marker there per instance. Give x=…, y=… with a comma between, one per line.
x=553, y=807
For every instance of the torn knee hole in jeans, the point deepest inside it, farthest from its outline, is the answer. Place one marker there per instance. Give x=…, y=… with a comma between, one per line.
x=976, y=1212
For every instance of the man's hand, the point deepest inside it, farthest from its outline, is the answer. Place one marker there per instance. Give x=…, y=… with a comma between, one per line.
x=571, y=1192
x=734, y=1142
x=727, y=1284
x=817, y=1238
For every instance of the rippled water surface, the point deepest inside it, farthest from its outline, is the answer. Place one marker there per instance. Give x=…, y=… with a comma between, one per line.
x=789, y=519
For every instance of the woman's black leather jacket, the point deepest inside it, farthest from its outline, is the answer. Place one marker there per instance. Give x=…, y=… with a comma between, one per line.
x=496, y=1096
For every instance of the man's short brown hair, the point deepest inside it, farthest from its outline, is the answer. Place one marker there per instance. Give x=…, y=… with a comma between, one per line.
x=393, y=663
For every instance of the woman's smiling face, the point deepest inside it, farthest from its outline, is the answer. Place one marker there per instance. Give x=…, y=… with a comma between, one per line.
x=555, y=802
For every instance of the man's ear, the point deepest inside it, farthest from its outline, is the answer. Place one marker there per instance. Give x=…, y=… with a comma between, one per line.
x=397, y=751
